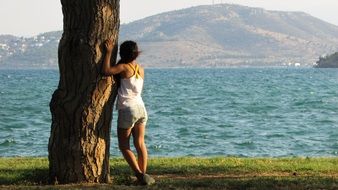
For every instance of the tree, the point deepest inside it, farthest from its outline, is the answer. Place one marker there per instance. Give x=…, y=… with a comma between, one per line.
x=81, y=106
x=329, y=61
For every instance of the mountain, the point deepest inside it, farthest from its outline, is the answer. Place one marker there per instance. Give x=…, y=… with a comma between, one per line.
x=208, y=35
x=230, y=34
x=35, y=52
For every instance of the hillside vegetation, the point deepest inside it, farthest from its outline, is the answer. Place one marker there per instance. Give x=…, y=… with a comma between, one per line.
x=329, y=61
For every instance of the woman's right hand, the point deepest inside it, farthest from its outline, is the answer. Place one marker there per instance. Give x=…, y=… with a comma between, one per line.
x=109, y=45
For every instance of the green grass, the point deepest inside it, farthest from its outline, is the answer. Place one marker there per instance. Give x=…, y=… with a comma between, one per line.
x=190, y=173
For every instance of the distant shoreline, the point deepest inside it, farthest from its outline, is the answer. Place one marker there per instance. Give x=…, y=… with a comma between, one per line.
x=207, y=67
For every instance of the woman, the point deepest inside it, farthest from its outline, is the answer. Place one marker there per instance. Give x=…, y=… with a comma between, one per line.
x=132, y=115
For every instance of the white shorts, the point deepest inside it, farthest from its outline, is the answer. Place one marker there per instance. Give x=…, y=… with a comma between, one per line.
x=128, y=117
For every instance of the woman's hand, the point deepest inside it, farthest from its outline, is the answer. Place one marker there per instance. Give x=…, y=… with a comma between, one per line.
x=109, y=45
x=107, y=69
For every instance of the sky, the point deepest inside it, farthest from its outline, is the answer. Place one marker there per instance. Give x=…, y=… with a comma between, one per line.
x=31, y=17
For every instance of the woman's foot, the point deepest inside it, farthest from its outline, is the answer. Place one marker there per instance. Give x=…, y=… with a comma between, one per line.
x=145, y=179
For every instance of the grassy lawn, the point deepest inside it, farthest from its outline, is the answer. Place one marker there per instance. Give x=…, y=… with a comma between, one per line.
x=189, y=173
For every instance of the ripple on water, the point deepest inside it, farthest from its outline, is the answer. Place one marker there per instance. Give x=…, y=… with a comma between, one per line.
x=223, y=126
x=156, y=148
x=276, y=135
x=239, y=112
x=7, y=142
x=246, y=144
x=183, y=131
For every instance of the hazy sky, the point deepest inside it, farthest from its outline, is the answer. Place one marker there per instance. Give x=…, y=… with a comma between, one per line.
x=31, y=17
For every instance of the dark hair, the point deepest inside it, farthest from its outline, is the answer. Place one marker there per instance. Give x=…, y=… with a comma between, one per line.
x=128, y=51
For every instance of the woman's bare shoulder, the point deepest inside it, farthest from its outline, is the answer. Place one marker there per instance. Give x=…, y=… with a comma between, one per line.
x=141, y=70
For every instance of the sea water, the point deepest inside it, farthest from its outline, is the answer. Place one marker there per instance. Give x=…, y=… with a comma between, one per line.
x=248, y=112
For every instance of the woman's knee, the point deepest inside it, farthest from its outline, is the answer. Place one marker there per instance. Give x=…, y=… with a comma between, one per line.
x=139, y=143
x=124, y=146
x=123, y=138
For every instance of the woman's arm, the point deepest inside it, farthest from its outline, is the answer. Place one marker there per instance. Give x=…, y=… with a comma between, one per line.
x=106, y=68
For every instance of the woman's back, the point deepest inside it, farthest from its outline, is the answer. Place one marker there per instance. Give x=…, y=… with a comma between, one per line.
x=131, y=85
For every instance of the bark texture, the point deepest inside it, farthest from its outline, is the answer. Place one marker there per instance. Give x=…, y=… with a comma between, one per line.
x=81, y=106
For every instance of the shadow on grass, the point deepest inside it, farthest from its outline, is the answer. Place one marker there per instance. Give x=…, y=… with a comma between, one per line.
x=185, y=178
x=121, y=175
x=261, y=183
x=196, y=178
x=24, y=176
x=186, y=169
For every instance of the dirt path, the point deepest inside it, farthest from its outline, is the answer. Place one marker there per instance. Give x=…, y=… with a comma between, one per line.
x=180, y=182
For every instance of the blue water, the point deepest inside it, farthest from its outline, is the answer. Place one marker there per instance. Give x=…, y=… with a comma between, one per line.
x=265, y=112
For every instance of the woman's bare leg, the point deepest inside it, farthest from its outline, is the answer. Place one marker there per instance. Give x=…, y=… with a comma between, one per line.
x=124, y=145
x=142, y=155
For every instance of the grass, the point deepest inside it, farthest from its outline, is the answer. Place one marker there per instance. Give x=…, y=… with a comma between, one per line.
x=189, y=173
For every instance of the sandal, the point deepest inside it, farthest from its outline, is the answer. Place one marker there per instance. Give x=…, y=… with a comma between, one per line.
x=145, y=179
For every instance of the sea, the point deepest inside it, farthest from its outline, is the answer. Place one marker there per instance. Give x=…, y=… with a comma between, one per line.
x=204, y=112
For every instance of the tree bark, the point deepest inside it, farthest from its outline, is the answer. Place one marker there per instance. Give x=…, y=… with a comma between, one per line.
x=81, y=106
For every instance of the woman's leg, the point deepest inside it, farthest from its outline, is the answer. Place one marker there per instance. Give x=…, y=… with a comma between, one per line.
x=124, y=145
x=142, y=155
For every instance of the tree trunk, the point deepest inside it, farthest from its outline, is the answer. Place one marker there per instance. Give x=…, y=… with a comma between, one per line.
x=81, y=106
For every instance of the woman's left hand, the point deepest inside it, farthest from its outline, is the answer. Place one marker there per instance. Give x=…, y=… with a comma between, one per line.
x=109, y=45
